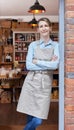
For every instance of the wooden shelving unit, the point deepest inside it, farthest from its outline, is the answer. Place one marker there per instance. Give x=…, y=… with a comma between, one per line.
x=21, y=40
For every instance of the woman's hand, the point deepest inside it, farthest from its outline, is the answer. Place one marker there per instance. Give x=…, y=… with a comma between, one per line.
x=54, y=58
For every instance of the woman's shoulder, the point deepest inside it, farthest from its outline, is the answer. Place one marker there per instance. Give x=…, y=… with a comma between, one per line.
x=55, y=43
x=34, y=43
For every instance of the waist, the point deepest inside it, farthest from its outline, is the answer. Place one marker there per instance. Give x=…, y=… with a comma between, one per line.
x=43, y=71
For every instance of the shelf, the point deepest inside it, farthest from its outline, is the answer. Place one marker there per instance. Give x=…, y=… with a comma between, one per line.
x=55, y=87
x=54, y=100
x=22, y=61
x=28, y=41
x=19, y=51
x=6, y=64
x=55, y=72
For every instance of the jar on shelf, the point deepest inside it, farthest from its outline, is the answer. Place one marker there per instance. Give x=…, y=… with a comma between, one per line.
x=19, y=46
x=8, y=57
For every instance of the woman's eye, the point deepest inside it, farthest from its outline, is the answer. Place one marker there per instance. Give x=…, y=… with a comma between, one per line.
x=41, y=26
x=46, y=25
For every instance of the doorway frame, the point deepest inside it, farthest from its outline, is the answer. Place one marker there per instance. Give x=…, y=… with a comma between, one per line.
x=61, y=65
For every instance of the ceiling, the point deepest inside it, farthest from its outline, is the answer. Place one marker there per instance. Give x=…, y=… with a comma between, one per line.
x=19, y=9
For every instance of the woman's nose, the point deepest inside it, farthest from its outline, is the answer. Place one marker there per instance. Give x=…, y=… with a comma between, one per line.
x=44, y=27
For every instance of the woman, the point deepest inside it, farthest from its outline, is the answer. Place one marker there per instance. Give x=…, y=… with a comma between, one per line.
x=42, y=59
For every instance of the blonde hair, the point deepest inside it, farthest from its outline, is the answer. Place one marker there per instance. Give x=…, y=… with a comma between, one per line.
x=46, y=20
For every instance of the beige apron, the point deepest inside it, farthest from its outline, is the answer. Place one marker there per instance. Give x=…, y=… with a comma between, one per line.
x=36, y=91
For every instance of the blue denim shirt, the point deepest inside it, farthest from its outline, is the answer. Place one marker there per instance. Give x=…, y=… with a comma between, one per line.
x=41, y=64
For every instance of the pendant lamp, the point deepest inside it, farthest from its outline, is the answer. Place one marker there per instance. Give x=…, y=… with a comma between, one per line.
x=33, y=22
x=36, y=8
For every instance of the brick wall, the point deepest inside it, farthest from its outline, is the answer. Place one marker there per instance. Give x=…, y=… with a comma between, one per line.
x=69, y=65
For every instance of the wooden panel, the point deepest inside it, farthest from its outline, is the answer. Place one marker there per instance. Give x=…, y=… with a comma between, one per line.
x=8, y=49
x=55, y=26
x=1, y=53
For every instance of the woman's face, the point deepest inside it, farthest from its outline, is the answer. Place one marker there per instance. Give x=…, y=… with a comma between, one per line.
x=44, y=29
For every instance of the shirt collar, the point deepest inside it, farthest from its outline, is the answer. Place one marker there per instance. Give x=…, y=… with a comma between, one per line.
x=49, y=43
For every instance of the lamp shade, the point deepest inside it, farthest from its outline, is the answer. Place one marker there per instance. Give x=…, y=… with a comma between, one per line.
x=36, y=8
x=33, y=22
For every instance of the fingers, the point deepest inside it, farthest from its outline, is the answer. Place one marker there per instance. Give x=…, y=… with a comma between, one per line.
x=54, y=58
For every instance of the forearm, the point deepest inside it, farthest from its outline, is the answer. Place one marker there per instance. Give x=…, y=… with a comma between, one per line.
x=50, y=65
x=47, y=64
x=32, y=66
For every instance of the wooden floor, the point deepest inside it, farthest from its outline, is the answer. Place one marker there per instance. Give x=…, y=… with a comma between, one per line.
x=12, y=120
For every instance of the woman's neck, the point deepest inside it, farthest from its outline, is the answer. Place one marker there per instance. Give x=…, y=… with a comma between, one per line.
x=46, y=39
